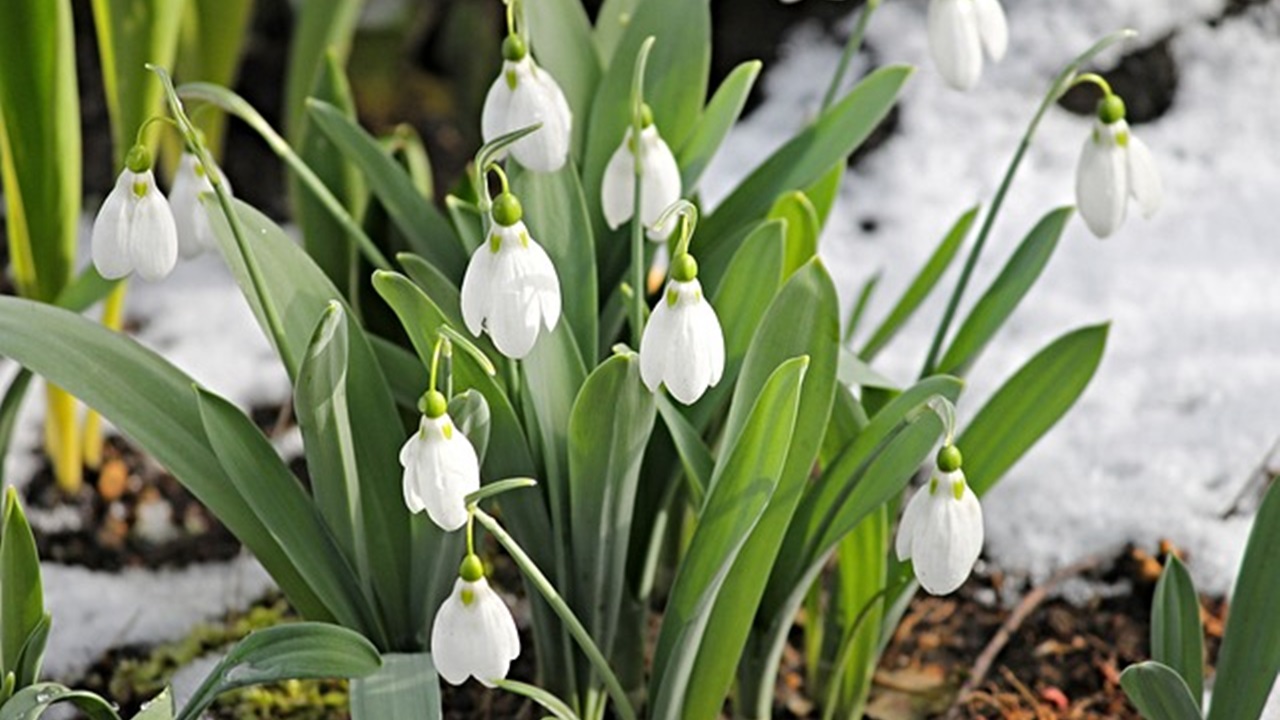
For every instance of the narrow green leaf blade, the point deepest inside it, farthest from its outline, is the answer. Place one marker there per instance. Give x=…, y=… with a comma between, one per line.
x=803, y=228
x=1159, y=694
x=21, y=592
x=717, y=120
x=159, y=707
x=1177, y=636
x=561, y=41
x=31, y=702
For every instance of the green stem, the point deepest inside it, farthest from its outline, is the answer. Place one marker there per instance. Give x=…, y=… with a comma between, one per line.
x=561, y=608
x=850, y=50
x=236, y=105
x=1059, y=87
x=637, y=222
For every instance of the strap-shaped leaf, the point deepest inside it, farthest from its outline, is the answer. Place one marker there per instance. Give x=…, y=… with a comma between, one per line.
x=694, y=454
x=561, y=42
x=31, y=702
x=21, y=592
x=717, y=120
x=1159, y=694
x=1177, y=636
x=803, y=229
x=405, y=687
x=159, y=707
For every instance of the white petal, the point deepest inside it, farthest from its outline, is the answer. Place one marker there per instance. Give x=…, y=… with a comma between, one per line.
x=617, y=190
x=477, y=288
x=660, y=183
x=655, y=345
x=110, y=256
x=710, y=340
x=992, y=27
x=544, y=283
x=954, y=42
x=498, y=635
x=514, y=313
x=153, y=241
x=948, y=540
x=1101, y=188
x=448, y=471
x=453, y=635
x=910, y=522
x=538, y=99
x=1144, y=178
x=185, y=205
x=497, y=103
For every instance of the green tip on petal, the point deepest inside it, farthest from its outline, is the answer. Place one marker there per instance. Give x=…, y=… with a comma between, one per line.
x=684, y=268
x=472, y=569
x=140, y=189
x=950, y=459
x=507, y=210
x=957, y=489
x=138, y=160
x=646, y=115
x=433, y=404
x=514, y=48
x=1111, y=109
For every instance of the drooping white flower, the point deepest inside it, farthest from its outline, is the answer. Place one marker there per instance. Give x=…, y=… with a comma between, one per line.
x=1115, y=165
x=134, y=229
x=524, y=94
x=683, y=345
x=510, y=289
x=440, y=467
x=474, y=634
x=941, y=532
x=659, y=183
x=959, y=30
x=195, y=234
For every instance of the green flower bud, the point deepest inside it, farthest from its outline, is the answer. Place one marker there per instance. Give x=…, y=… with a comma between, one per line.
x=949, y=459
x=507, y=210
x=514, y=48
x=1111, y=109
x=138, y=160
x=433, y=404
x=472, y=569
x=684, y=268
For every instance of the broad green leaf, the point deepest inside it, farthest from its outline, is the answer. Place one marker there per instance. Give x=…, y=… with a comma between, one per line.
x=405, y=687
x=921, y=286
x=1006, y=291
x=717, y=120
x=443, y=293
x=561, y=42
x=823, y=191
x=320, y=27
x=556, y=214
x=804, y=160
x=427, y=231
x=740, y=494
x=282, y=505
x=294, y=651
x=848, y=418
x=297, y=293
x=694, y=455
x=31, y=657
x=609, y=427
x=40, y=155
x=803, y=229
x=131, y=34
x=1249, y=658
x=31, y=702
x=159, y=707
x=214, y=33
x=804, y=319
x=1159, y=694
x=1177, y=637
x=21, y=593
x=1028, y=404
x=151, y=402
x=611, y=23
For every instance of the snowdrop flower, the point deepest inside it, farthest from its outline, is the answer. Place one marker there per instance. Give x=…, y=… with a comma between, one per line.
x=659, y=183
x=1115, y=165
x=440, y=466
x=523, y=95
x=683, y=345
x=511, y=287
x=474, y=634
x=959, y=30
x=195, y=234
x=134, y=229
x=941, y=529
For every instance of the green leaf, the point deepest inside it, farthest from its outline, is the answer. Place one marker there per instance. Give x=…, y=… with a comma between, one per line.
x=40, y=155
x=159, y=707
x=561, y=42
x=611, y=23
x=295, y=651
x=921, y=286
x=1249, y=658
x=31, y=702
x=10, y=406
x=214, y=33
x=1159, y=694
x=1028, y=404
x=694, y=455
x=283, y=506
x=468, y=222
x=130, y=35
x=741, y=491
x=427, y=231
x=605, y=451
x=321, y=27
x=1006, y=291
x=405, y=687
x=21, y=593
x=556, y=214
x=31, y=657
x=804, y=319
x=1177, y=637
x=824, y=190
x=716, y=122
x=557, y=707
x=803, y=229
x=856, y=611
x=804, y=160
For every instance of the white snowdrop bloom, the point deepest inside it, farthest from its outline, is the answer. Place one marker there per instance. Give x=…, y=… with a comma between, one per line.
x=522, y=95
x=474, y=634
x=134, y=229
x=941, y=531
x=659, y=183
x=440, y=467
x=195, y=233
x=683, y=345
x=1114, y=166
x=510, y=289
x=959, y=31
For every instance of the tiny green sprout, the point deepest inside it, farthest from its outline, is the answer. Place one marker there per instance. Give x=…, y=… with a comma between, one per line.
x=949, y=459
x=433, y=404
x=507, y=210
x=514, y=48
x=684, y=268
x=1110, y=109
x=472, y=568
x=138, y=160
